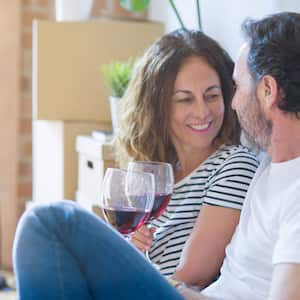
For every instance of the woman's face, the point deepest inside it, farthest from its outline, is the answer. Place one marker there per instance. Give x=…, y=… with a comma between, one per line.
x=197, y=106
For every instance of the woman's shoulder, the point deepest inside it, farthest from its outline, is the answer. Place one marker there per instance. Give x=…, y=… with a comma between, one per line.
x=225, y=157
x=228, y=184
x=229, y=157
x=234, y=158
x=237, y=153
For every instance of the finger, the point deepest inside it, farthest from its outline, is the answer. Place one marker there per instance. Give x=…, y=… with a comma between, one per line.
x=147, y=241
x=142, y=242
x=152, y=230
x=144, y=230
x=145, y=235
x=141, y=236
x=141, y=246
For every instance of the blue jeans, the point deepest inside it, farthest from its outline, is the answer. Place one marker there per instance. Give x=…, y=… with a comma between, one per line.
x=62, y=251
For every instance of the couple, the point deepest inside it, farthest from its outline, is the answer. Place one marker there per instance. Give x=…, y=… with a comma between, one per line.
x=262, y=260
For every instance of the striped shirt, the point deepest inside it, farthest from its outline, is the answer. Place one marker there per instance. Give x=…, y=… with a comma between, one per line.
x=221, y=180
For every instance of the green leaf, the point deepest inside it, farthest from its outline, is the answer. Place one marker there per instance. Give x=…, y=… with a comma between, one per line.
x=117, y=75
x=135, y=5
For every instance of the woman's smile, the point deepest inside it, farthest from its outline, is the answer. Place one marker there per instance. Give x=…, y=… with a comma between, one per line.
x=200, y=128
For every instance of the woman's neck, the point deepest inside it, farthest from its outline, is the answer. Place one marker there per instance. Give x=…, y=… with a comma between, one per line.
x=188, y=161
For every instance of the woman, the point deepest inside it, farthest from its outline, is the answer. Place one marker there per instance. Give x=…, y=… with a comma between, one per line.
x=177, y=109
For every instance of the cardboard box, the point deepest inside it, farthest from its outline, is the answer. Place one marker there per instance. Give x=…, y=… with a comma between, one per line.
x=67, y=61
x=55, y=161
x=94, y=158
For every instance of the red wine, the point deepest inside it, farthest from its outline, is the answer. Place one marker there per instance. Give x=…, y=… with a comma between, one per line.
x=159, y=205
x=126, y=220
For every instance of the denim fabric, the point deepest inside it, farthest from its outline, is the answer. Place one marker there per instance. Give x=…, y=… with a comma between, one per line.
x=62, y=251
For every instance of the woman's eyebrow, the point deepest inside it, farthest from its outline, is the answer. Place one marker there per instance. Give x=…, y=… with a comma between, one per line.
x=182, y=91
x=189, y=92
x=212, y=87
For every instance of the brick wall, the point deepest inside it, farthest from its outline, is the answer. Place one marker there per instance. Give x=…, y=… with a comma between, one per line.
x=31, y=9
x=42, y=10
x=10, y=53
x=15, y=107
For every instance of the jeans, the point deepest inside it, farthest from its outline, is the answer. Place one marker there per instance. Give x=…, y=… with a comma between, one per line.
x=62, y=251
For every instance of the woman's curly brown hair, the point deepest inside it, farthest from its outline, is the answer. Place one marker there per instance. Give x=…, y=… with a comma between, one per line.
x=144, y=128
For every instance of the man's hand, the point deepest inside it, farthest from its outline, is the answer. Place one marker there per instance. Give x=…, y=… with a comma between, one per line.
x=190, y=294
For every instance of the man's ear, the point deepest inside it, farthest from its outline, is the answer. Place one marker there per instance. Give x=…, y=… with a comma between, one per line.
x=268, y=91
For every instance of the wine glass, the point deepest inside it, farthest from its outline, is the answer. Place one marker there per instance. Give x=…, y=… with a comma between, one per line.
x=164, y=182
x=127, y=199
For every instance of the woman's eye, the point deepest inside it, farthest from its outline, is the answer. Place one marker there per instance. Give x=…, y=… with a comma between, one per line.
x=212, y=97
x=182, y=100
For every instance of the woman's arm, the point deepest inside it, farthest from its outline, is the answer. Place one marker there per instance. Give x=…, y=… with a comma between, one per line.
x=204, y=251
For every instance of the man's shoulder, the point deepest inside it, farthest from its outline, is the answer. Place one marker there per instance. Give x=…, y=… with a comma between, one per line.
x=293, y=191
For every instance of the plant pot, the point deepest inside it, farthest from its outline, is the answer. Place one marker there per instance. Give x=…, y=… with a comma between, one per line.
x=115, y=112
x=73, y=10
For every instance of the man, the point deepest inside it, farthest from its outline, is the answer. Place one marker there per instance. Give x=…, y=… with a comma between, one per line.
x=263, y=259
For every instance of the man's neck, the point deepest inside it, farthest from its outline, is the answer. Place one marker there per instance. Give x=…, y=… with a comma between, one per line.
x=285, y=141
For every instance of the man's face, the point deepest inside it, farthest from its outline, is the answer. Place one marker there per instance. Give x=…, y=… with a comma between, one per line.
x=247, y=105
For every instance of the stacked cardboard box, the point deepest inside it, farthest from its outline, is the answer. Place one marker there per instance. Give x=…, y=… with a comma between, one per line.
x=69, y=95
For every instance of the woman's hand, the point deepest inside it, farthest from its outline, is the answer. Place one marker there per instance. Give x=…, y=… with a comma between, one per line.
x=143, y=238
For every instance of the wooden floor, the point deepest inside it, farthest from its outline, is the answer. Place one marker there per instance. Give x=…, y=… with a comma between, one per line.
x=8, y=295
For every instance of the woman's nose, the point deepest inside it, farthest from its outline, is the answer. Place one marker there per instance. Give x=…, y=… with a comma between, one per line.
x=201, y=109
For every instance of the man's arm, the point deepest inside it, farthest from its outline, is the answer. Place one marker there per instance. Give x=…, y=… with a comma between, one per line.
x=190, y=294
x=285, y=283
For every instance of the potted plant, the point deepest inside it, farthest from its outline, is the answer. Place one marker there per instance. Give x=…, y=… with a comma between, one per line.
x=73, y=10
x=140, y=5
x=117, y=75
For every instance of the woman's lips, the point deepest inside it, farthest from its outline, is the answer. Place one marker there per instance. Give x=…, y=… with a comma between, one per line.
x=200, y=128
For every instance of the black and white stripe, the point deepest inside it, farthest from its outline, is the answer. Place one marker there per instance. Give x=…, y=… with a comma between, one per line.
x=222, y=180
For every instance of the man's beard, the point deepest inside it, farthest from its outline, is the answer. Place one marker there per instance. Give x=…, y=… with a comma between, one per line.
x=256, y=128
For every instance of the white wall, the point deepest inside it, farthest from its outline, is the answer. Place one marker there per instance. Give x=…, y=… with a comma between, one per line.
x=160, y=10
x=220, y=19
x=288, y=5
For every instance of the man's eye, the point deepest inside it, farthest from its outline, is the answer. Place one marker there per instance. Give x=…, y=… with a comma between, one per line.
x=234, y=88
